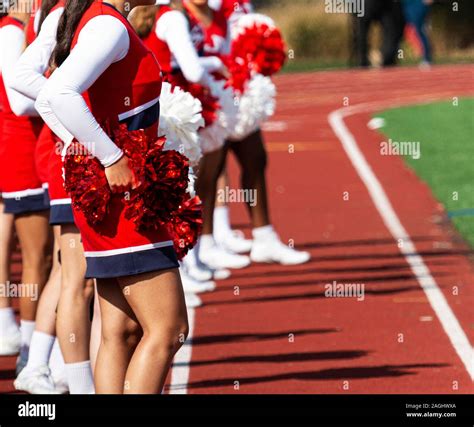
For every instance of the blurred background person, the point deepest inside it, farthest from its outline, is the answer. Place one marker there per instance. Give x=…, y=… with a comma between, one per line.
x=389, y=14
x=416, y=13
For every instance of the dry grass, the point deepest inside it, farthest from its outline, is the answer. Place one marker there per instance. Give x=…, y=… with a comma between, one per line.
x=312, y=34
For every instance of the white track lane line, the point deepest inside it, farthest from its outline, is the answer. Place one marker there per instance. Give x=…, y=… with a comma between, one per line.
x=432, y=291
x=180, y=368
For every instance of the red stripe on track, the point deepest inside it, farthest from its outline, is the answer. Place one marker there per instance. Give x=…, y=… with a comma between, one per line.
x=280, y=334
x=242, y=341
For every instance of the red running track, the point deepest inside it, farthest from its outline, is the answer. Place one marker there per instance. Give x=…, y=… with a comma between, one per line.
x=270, y=329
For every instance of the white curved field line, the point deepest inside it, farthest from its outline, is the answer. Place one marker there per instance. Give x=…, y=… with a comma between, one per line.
x=382, y=203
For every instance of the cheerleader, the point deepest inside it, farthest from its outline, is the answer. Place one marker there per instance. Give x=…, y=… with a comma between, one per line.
x=178, y=40
x=209, y=28
x=21, y=187
x=160, y=29
x=9, y=331
x=144, y=319
x=251, y=155
x=74, y=295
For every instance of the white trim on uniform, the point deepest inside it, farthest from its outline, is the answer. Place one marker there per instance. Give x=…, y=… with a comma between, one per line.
x=129, y=250
x=56, y=202
x=23, y=193
x=45, y=186
x=138, y=110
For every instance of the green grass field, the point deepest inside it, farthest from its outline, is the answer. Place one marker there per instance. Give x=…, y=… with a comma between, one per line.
x=446, y=136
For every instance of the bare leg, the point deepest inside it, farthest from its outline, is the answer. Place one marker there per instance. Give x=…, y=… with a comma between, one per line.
x=73, y=323
x=120, y=336
x=35, y=240
x=46, y=313
x=6, y=241
x=206, y=185
x=222, y=183
x=95, y=331
x=157, y=299
x=252, y=158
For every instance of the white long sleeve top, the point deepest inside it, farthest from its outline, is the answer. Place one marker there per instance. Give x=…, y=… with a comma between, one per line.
x=103, y=41
x=12, y=41
x=173, y=29
x=29, y=70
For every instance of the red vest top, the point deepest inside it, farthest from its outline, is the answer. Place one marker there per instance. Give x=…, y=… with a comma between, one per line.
x=213, y=37
x=128, y=91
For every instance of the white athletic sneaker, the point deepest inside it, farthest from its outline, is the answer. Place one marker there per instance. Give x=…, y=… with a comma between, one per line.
x=10, y=343
x=234, y=241
x=35, y=381
x=60, y=381
x=217, y=258
x=193, y=286
x=271, y=249
x=201, y=272
x=192, y=300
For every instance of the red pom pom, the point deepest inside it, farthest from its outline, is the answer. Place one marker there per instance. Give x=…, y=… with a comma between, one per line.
x=160, y=201
x=186, y=226
x=261, y=47
x=85, y=181
x=239, y=71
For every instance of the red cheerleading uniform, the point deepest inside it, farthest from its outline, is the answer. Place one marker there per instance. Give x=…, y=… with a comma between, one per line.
x=212, y=39
x=159, y=48
x=205, y=42
x=1, y=107
x=21, y=187
x=114, y=248
x=50, y=170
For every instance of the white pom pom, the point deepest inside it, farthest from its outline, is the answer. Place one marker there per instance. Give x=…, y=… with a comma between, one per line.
x=213, y=137
x=180, y=120
x=256, y=105
x=249, y=20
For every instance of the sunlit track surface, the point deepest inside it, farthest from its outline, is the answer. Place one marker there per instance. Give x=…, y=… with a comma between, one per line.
x=272, y=329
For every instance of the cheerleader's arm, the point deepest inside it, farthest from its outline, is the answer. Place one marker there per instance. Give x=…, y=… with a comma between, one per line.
x=33, y=63
x=13, y=40
x=103, y=41
x=173, y=28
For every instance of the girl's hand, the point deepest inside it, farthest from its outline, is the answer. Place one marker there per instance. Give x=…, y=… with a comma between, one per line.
x=120, y=177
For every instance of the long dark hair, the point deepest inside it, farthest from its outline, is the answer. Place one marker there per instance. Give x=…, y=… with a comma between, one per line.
x=67, y=26
x=46, y=7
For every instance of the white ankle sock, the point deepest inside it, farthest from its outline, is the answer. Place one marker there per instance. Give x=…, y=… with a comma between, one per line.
x=40, y=349
x=27, y=327
x=190, y=260
x=221, y=220
x=206, y=241
x=7, y=321
x=56, y=360
x=263, y=233
x=79, y=378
